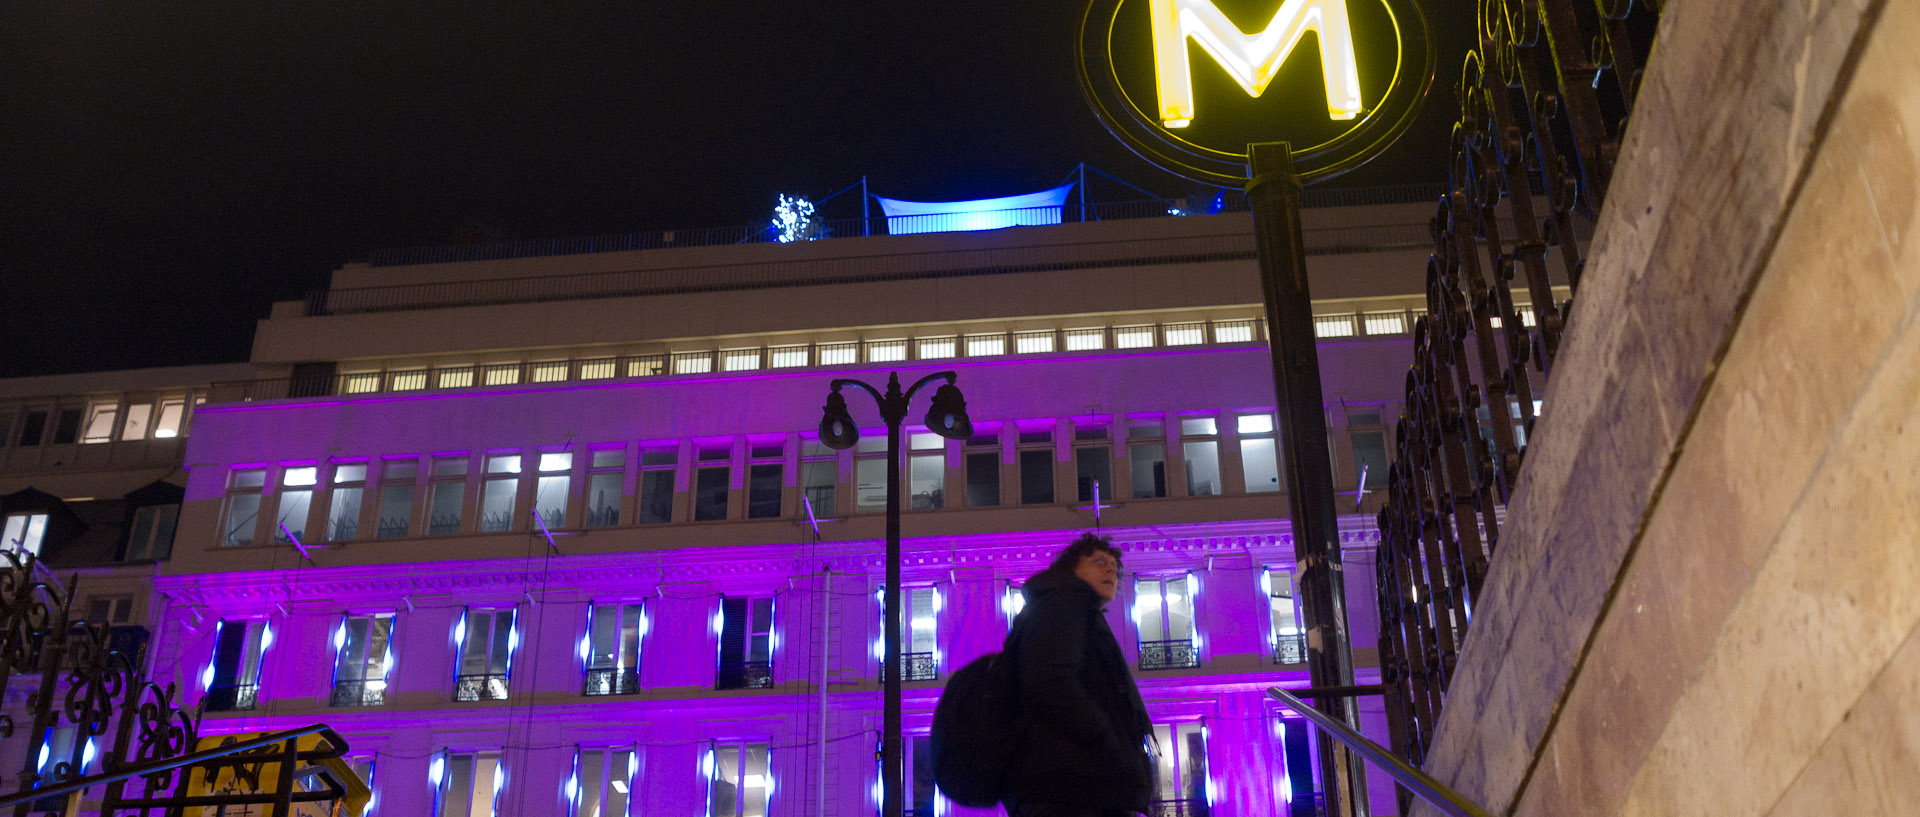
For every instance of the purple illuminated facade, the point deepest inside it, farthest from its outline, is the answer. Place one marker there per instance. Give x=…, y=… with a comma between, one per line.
x=567, y=566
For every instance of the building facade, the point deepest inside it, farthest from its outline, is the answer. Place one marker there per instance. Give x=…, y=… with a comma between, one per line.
x=555, y=534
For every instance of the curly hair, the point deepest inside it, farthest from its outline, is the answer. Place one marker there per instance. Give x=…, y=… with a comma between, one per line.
x=1088, y=544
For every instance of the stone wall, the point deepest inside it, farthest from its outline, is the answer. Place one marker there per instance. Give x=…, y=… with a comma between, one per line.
x=1707, y=594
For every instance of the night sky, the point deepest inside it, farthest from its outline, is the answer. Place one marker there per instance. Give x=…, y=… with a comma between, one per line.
x=169, y=168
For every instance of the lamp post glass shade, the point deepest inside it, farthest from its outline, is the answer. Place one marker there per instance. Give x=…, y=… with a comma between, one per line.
x=948, y=416
x=837, y=429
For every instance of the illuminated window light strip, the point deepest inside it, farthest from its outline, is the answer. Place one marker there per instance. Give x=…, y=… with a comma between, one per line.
x=1333, y=326
x=739, y=360
x=886, y=351
x=1185, y=334
x=786, y=357
x=836, y=354
x=986, y=345
x=1081, y=340
x=937, y=348
x=1252, y=60
x=1132, y=337
x=1385, y=323
x=1025, y=343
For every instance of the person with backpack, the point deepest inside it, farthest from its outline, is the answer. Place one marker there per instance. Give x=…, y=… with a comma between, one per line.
x=1082, y=749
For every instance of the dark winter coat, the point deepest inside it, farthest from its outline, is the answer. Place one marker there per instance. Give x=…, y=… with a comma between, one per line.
x=1086, y=724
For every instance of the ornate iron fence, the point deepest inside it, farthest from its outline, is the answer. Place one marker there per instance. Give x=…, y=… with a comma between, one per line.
x=612, y=681
x=358, y=693
x=491, y=687
x=1290, y=649
x=231, y=698
x=1168, y=655
x=744, y=675
x=918, y=666
x=1543, y=98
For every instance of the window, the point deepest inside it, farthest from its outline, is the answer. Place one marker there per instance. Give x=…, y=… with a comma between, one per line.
x=599, y=369
x=920, y=785
x=454, y=378
x=1333, y=326
x=499, y=492
x=986, y=345
x=786, y=357
x=937, y=348
x=343, y=511
x=611, y=648
x=500, y=374
x=1032, y=342
x=1200, y=443
x=834, y=354
x=657, y=468
x=1233, y=331
x=1296, y=749
x=448, y=496
x=66, y=426
x=983, y=469
x=25, y=532
x=1081, y=340
x=547, y=371
x=1287, y=640
x=1132, y=337
x=602, y=781
x=551, y=488
x=1185, y=334
x=740, y=780
x=295, y=502
x=1384, y=323
x=1180, y=769
x=766, y=472
x=711, y=482
x=1092, y=460
x=1147, y=458
x=919, y=643
x=101, y=415
x=34, y=429
x=745, y=625
x=139, y=415
x=107, y=611
x=243, y=506
x=739, y=360
x=1163, y=608
x=1259, y=456
x=819, y=476
x=1012, y=601
x=1036, y=466
x=692, y=362
x=606, y=476
x=466, y=784
x=172, y=412
x=1367, y=433
x=151, y=536
x=886, y=351
x=485, y=641
x=927, y=471
x=407, y=381
x=233, y=679
x=363, y=658
x=396, y=497
x=870, y=471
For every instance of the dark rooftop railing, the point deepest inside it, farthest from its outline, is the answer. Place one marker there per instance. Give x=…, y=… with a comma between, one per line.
x=875, y=225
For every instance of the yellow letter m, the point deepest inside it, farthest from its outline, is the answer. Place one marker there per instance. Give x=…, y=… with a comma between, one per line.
x=1251, y=59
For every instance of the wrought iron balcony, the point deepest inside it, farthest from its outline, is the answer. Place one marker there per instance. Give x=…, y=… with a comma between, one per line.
x=744, y=675
x=1168, y=655
x=480, y=688
x=232, y=698
x=918, y=666
x=358, y=693
x=1290, y=649
x=1191, y=807
x=612, y=681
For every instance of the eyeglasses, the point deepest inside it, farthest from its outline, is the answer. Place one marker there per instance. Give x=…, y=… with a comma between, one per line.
x=1101, y=561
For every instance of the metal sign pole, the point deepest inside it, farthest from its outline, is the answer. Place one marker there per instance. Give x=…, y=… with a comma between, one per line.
x=1273, y=190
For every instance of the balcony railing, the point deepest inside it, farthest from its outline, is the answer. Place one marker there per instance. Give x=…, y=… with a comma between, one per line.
x=1290, y=649
x=480, y=688
x=234, y=698
x=918, y=666
x=1168, y=655
x=612, y=681
x=1190, y=807
x=358, y=693
x=744, y=675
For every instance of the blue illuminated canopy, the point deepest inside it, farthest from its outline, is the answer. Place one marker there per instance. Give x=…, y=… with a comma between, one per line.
x=907, y=217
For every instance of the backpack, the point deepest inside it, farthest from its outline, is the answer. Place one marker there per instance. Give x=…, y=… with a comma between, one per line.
x=976, y=726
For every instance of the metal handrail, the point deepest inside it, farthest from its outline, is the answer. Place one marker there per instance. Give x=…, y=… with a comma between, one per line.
x=1420, y=783
x=189, y=759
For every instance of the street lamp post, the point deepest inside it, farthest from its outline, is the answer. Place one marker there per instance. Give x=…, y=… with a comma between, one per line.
x=947, y=418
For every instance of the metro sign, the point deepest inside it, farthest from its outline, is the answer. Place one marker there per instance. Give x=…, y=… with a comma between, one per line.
x=1251, y=59
x=1137, y=62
